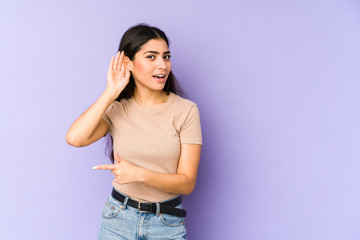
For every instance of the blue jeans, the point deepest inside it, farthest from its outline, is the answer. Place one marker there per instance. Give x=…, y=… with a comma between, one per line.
x=120, y=221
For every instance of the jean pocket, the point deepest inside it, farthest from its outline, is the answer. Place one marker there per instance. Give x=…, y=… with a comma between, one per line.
x=111, y=208
x=171, y=220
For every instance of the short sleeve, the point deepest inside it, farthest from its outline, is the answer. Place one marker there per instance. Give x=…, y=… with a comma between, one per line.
x=190, y=131
x=107, y=117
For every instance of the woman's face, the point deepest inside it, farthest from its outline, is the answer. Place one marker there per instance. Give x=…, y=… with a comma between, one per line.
x=151, y=65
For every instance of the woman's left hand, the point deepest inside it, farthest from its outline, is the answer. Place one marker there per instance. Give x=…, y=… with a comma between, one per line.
x=123, y=171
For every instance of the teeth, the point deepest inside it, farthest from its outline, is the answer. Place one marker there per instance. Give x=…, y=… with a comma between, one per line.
x=160, y=76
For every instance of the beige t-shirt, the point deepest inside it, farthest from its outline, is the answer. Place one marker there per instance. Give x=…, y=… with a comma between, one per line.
x=151, y=138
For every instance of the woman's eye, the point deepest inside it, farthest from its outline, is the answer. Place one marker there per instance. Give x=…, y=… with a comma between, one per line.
x=152, y=57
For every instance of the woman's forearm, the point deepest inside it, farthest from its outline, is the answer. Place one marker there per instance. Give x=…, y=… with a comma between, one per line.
x=84, y=126
x=171, y=183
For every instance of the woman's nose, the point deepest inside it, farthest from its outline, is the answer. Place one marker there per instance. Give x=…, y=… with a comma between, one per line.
x=161, y=63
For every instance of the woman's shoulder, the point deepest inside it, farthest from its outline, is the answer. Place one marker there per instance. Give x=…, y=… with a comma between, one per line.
x=183, y=108
x=182, y=102
x=118, y=105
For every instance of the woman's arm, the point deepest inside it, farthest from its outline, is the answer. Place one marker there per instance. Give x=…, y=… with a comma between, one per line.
x=183, y=182
x=90, y=127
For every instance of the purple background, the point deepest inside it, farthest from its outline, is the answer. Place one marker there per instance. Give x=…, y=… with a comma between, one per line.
x=277, y=85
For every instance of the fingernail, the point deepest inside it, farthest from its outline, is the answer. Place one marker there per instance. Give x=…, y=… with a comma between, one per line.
x=95, y=167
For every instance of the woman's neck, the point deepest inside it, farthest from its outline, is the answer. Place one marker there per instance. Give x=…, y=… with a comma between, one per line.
x=150, y=98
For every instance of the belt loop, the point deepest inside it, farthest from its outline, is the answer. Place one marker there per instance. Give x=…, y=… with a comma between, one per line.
x=157, y=209
x=125, y=203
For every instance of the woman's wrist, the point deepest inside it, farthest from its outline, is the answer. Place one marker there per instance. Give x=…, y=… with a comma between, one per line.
x=141, y=175
x=111, y=94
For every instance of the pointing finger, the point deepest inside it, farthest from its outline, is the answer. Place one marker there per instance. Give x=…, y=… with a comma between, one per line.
x=104, y=167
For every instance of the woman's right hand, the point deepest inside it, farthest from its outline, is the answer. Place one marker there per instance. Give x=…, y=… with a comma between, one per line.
x=118, y=75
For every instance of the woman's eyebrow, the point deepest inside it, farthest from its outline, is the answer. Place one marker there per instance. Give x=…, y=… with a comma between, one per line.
x=155, y=52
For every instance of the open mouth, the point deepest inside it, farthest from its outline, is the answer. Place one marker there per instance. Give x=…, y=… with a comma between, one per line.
x=160, y=77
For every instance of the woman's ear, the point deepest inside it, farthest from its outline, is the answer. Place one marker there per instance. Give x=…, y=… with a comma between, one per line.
x=128, y=64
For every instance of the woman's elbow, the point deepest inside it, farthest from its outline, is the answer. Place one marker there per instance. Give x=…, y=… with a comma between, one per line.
x=189, y=188
x=187, y=192
x=71, y=140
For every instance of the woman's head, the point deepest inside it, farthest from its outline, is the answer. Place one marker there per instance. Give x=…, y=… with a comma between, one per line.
x=147, y=50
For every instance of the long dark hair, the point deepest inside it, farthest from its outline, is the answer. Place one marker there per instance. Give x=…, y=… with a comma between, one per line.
x=131, y=42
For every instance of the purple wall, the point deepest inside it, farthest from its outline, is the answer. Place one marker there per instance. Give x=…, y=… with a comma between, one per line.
x=277, y=84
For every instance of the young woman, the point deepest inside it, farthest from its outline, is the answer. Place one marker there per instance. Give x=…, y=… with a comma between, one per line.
x=156, y=140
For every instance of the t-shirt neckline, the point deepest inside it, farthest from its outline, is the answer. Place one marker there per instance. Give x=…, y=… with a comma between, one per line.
x=162, y=106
